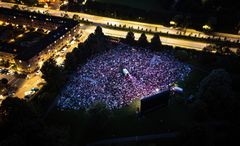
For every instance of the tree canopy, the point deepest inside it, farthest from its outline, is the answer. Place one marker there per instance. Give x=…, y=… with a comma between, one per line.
x=51, y=72
x=216, y=95
x=14, y=109
x=30, y=2
x=142, y=41
x=156, y=42
x=20, y=125
x=130, y=38
x=98, y=31
x=4, y=81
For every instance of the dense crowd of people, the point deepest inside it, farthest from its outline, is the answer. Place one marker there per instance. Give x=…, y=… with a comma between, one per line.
x=102, y=78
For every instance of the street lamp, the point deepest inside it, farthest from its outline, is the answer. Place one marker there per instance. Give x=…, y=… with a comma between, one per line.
x=206, y=27
x=173, y=23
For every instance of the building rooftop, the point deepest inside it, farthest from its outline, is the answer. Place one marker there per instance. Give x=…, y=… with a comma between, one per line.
x=26, y=53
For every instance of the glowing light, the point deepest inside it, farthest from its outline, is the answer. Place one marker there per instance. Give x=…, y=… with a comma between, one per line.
x=11, y=41
x=46, y=5
x=207, y=27
x=84, y=2
x=40, y=63
x=173, y=23
x=19, y=36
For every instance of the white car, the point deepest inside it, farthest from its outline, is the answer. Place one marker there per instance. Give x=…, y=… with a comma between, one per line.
x=29, y=93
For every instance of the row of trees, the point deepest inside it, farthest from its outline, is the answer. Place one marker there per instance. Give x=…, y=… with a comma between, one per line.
x=142, y=41
x=97, y=42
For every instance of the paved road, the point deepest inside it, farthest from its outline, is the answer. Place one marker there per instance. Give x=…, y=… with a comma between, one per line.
x=165, y=40
x=28, y=84
x=99, y=20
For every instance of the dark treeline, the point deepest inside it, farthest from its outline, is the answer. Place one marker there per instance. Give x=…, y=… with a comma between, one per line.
x=221, y=15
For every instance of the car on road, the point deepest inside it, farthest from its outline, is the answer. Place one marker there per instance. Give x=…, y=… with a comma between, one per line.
x=11, y=72
x=3, y=71
x=29, y=93
x=35, y=89
x=64, y=49
x=38, y=73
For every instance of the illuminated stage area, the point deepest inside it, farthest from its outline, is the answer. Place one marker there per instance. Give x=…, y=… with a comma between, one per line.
x=119, y=76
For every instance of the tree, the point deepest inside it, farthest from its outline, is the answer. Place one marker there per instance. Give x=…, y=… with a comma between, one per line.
x=71, y=60
x=15, y=115
x=226, y=50
x=66, y=15
x=181, y=54
x=20, y=125
x=96, y=42
x=4, y=81
x=177, y=20
x=30, y=2
x=98, y=31
x=76, y=17
x=237, y=28
x=14, y=110
x=216, y=93
x=51, y=72
x=142, y=41
x=156, y=42
x=15, y=7
x=6, y=63
x=188, y=5
x=130, y=38
x=83, y=53
x=238, y=52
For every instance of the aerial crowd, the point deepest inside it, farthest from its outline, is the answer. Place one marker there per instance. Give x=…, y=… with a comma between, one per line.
x=103, y=80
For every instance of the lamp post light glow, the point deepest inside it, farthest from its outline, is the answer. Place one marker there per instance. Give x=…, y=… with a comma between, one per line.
x=173, y=23
x=206, y=27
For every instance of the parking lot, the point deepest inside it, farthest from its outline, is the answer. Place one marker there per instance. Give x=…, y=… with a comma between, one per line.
x=20, y=85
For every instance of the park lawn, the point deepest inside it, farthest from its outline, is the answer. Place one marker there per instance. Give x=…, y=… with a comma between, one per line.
x=125, y=122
